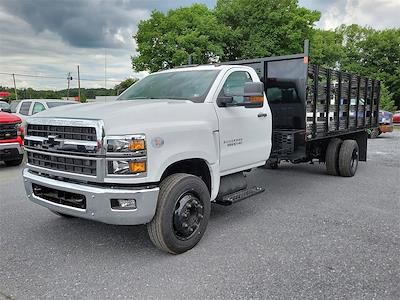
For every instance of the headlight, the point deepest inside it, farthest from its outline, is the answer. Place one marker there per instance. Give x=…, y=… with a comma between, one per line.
x=126, y=155
x=127, y=167
x=129, y=143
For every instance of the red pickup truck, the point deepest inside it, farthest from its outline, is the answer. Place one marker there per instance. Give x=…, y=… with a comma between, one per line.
x=11, y=139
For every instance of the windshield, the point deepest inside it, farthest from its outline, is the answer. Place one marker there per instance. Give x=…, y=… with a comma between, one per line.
x=55, y=104
x=185, y=85
x=14, y=105
x=4, y=104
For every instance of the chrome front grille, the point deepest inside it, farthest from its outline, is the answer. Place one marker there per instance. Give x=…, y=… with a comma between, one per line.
x=65, y=147
x=63, y=163
x=63, y=132
x=8, y=131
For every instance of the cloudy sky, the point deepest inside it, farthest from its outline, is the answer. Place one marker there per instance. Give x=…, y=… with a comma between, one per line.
x=51, y=37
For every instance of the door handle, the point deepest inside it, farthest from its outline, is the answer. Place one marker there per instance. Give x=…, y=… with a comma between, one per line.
x=262, y=115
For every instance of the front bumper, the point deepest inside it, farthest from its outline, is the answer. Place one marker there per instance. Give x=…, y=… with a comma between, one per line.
x=98, y=200
x=10, y=151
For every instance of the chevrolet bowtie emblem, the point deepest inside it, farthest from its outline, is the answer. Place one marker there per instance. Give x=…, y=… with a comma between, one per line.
x=51, y=142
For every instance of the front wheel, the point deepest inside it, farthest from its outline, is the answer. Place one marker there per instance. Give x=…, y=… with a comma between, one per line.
x=14, y=162
x=182, y=213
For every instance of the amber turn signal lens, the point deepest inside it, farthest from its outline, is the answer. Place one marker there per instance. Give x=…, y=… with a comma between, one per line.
x=136, y=145
x=256, y=99
x=137, y=167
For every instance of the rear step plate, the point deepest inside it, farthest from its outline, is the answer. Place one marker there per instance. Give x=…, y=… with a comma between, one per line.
x=239, y=196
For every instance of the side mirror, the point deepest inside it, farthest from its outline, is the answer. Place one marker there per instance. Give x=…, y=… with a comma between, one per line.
x=224, y=101
x=254, y=91
x=7, y=110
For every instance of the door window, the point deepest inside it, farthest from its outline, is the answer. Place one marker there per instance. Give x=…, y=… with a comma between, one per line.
x=24, y=109
x=234, y=86
x=38, y=107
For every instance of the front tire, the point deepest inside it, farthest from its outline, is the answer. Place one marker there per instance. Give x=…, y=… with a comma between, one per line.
x=348, y=158
x=182, y=213
x=14, y=162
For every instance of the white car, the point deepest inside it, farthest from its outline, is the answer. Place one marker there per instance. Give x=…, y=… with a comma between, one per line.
x=29, y=107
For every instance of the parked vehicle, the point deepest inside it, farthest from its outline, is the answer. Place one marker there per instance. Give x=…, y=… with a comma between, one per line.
x=11, y=139
x=385, y=121
x=396, y=117
x=29, y=107
x=13, y=106
x=180, y=139
x=4, y=106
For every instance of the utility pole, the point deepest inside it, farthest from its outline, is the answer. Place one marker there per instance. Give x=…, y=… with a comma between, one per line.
x=105, y=73
x=79, y=86
x=69, y=78
x=15, y=87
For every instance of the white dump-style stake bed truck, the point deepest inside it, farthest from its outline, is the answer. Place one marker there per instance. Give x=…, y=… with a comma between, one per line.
x=180, y=139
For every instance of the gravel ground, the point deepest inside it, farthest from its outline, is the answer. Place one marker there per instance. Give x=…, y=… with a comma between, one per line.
x=308, y=236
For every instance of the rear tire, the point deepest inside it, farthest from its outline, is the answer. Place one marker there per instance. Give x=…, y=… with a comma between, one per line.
x=332, y=157
x=182, y=213
x=14, y=162
x=348, y=158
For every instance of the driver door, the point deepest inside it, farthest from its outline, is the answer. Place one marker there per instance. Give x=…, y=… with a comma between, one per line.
x=245, y=132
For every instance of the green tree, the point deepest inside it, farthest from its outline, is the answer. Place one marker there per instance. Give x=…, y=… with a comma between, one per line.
x=265, y=27
x=167, y=40
x=326, y=48
x=386, y=99
x=123, y=85
x=373, y=53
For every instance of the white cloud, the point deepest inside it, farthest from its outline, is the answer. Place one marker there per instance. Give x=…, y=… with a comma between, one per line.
x=378, y=14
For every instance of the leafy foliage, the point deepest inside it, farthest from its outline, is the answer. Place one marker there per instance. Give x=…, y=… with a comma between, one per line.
x=386, y=99
x=373, y=53
x=30, y=93
x=242, y=29
x=265, y=27
x=119, y=88
x=166, y=41
x=326, y=48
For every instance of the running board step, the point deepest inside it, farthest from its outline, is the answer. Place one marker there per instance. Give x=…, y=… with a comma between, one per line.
x=239, y=196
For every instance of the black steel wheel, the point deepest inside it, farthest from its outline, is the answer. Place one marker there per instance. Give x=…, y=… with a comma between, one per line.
x=182, y=213
x=332, y=157
x=348, y=158
x=188, y=214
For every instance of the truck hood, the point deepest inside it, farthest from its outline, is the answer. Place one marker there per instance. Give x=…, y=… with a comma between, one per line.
x=127, y=117
x=9, y=118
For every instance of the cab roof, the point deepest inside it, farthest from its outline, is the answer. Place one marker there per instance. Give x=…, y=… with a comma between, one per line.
x=207, y=67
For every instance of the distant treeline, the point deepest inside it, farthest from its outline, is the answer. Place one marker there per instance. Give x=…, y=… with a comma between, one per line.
x=86, y=93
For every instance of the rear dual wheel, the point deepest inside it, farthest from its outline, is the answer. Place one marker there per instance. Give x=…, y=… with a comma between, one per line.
x=348, y=158
x=342, y=157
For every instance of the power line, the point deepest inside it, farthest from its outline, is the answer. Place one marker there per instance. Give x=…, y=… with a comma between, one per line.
x=54, y=77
